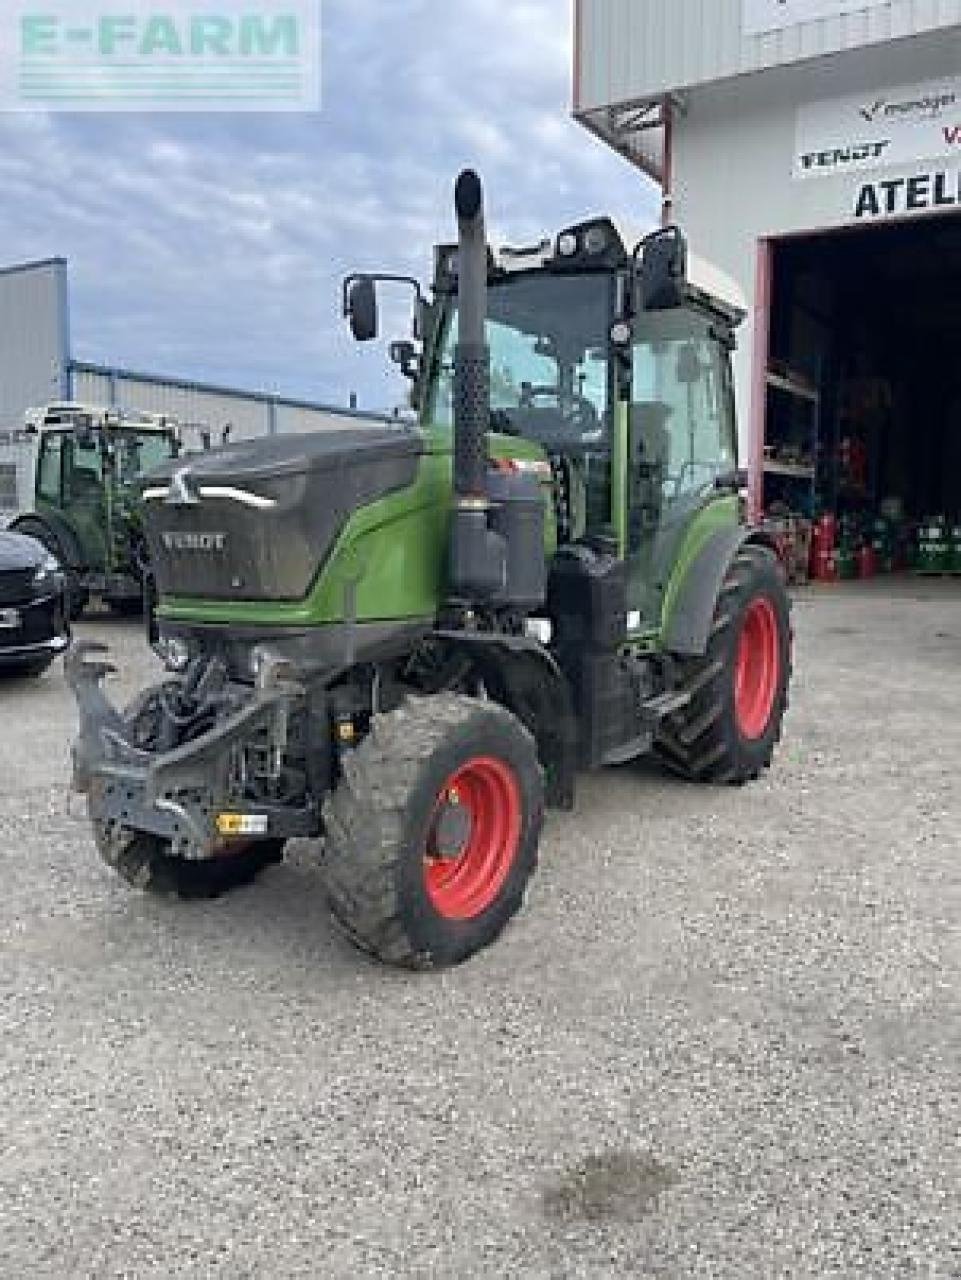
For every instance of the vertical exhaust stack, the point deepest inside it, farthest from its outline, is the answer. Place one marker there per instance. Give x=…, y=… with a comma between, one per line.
x=497, y=525
x=478, y=557
x=472, y=358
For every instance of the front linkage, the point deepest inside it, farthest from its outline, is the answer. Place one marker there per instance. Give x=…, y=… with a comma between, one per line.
x=196, y=761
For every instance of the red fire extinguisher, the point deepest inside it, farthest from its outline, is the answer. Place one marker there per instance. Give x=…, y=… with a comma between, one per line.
x=824, y=565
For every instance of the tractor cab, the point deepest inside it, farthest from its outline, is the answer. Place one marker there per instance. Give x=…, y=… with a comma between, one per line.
x=611, y=351
x=90, y=460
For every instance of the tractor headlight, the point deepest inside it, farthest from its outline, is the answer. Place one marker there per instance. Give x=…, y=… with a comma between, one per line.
x=567, y=245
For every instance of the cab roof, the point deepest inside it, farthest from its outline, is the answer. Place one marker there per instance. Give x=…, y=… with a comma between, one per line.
x=608, y=243
x=68, y=413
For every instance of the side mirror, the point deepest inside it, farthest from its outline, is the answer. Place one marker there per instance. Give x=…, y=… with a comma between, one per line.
x=405, y=354
x=663, y=269
x=361, y=308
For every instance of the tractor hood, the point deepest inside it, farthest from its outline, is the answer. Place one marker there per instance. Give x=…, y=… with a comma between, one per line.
x=257, y=520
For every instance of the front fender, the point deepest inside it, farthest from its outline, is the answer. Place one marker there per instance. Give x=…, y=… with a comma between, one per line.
x=523, y=677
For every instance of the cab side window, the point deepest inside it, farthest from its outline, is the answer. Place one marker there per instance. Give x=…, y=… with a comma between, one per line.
x=682, y=408
x=83, y=471
x=48, y=471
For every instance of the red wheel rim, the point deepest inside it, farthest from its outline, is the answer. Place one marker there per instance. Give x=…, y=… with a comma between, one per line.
x=486, y=795
x=758, y=670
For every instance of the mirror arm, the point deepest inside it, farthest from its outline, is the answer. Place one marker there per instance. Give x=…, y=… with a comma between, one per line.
x=351, y=280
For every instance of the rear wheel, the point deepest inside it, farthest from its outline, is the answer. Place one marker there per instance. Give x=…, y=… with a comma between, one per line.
x=432, y=832
x=145, y=862
x=739, y=688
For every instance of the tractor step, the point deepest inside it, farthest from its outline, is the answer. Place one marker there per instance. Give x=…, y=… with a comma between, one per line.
x=666, y=704
x=652, y=713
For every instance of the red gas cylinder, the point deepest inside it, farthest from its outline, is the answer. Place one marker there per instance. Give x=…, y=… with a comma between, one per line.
x=867, y=562
x=824, y=566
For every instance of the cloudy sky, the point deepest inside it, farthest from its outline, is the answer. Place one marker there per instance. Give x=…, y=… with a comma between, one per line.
x=212, y=246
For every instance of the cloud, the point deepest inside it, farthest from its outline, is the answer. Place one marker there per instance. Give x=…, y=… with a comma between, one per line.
x=213, y=246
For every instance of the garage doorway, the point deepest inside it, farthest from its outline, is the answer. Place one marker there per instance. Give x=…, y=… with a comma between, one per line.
x=862, y=397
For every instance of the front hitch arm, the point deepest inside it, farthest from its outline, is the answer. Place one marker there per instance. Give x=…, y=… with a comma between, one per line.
x=103, y=733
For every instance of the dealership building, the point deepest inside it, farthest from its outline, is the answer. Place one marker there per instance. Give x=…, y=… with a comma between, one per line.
x=812, y=150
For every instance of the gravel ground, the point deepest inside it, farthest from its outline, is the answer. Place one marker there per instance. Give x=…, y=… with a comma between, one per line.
x=723, y=1039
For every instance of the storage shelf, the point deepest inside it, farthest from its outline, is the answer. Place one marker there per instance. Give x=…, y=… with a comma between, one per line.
x=792, y=387
x=797, y=469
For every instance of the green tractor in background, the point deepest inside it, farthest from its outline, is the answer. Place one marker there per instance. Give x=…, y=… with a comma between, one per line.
x=87, y=502
x=402, y=642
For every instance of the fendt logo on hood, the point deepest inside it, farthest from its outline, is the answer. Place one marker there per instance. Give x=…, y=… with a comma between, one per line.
x=179, y=493
x=194, y=541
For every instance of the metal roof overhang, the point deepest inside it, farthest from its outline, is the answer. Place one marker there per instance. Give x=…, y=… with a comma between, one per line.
x=636, y=130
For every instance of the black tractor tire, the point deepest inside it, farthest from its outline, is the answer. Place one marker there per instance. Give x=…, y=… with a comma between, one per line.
x=146, y=863
x=34, y=670
x=78, y=597
x=728, y=731
x=125, y=606
x=402, y=890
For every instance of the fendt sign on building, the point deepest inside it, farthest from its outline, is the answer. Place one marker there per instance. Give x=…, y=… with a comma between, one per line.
x=869, y=130
x=762, y=16
x=874, y=133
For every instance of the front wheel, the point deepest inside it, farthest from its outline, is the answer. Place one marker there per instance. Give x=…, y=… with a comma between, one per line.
x=432, y=832
x=146, y=863
x=739, y=688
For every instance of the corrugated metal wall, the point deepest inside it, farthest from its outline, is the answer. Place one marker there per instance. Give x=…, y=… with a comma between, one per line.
x=16, y=475
x=631, y=50
x=212, y=408
x=297, y=419
x=33, y=338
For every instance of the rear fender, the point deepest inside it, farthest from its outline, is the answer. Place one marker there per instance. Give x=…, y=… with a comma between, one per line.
x=689, y=625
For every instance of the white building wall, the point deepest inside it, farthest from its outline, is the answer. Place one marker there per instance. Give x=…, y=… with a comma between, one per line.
x=734, y=156
x=633, y=50
x=34, y=338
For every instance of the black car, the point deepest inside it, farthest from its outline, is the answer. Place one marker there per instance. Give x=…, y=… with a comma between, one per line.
x=33, y=609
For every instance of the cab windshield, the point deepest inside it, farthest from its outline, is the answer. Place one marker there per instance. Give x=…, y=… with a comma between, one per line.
x=137, y=453
x=550, y=380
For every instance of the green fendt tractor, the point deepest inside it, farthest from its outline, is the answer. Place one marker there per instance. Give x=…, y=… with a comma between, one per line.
x=87, y=506
x=404, y=642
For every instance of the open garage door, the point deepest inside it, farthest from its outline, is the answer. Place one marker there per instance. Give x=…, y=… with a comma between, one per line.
x=862, y=439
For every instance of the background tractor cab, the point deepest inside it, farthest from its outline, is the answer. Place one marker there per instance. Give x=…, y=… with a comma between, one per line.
x=87, y=507
x=611, y=351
